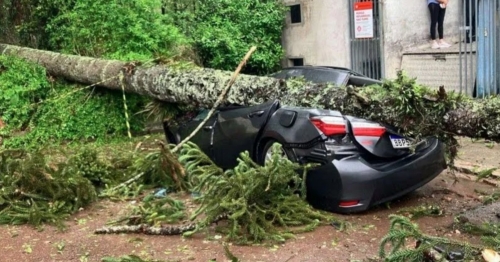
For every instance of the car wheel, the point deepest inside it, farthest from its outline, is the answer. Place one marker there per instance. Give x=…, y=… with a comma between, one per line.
x=267, y=153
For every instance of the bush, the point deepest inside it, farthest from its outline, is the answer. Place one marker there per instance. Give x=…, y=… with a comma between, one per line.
x=115, y=29
x=224, y=30
x=54, y=112
x=22, y=85
x=88, y=114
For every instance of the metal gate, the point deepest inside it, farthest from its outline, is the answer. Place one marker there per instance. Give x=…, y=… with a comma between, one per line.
x=366, y=35
x=480, y=47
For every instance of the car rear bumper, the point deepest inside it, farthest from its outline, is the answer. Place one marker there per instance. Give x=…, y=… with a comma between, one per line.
x=353, y=179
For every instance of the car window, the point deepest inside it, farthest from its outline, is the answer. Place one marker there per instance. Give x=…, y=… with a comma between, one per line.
x=326, y=76
x=294, y=73
x=315, y=75
x=362, y=81
x=280, y=75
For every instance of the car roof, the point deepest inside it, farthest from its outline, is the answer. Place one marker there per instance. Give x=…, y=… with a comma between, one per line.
x=321, y=74
x=336, y=68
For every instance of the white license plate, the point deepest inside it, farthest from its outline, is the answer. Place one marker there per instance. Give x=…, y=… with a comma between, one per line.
x=399, y=142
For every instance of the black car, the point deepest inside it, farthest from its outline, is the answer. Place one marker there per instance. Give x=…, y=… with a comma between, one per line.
x=338, y=76
x=362, y=163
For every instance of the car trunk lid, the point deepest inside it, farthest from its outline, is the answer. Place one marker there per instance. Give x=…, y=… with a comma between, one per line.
x=348, y=135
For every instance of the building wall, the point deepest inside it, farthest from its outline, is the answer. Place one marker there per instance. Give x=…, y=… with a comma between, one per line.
x=406, y=26
x=323, y=36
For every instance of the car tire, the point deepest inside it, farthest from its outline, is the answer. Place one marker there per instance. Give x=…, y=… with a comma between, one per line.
x=265, y=153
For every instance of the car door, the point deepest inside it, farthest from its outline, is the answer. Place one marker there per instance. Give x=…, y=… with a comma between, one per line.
x=204, y=137
x=236, y=131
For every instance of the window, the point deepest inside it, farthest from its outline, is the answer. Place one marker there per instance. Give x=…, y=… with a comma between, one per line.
x=297, y=61
x=295, y=14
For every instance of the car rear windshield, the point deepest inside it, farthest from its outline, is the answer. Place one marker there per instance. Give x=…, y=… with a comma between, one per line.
x=318, y=76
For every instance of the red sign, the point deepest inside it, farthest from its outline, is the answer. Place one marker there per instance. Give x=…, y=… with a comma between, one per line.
x=363, y=19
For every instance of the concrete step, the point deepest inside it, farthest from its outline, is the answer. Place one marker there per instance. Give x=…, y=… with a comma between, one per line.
x=436, y=67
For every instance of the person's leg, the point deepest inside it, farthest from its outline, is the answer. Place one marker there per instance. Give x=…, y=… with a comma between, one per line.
x=441, y=13
x=434, y=11
x=441, y=42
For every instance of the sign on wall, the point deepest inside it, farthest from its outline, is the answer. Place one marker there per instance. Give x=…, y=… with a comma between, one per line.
x=363, y=19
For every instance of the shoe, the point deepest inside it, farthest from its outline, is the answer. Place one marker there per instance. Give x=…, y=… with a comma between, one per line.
x=435, y=45
x=443, y=44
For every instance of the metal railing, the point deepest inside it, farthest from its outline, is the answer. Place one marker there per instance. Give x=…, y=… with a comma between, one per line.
x=479, y=47
x=366, y=53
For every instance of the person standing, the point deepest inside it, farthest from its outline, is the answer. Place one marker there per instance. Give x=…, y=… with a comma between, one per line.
x=437, y=9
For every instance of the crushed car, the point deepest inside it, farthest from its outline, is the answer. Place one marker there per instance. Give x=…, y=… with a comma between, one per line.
x=360, y=163
x=338, y=76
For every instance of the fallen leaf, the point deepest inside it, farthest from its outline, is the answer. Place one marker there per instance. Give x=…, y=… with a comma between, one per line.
x=491, y=255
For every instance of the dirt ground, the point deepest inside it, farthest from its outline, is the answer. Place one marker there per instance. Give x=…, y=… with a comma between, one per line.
x=359, y=242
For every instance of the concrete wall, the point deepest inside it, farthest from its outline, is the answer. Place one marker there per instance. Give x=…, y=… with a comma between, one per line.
x=323, y=36
x=406, y=26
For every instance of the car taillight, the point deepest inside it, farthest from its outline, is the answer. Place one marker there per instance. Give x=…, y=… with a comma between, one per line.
x=349, y=203
x=367, y=129
x=330, y=125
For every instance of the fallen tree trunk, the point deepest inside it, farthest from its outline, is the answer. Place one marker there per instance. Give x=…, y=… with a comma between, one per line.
x=415, y=110
x=169, y=84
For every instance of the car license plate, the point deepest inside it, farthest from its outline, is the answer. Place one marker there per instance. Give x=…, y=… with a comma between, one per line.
x=399, y=142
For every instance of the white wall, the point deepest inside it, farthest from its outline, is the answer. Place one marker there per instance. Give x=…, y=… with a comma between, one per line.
x=323, y=36
x=406, y=25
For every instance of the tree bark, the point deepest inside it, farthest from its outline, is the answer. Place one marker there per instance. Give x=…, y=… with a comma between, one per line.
x=436, y=113
x=169, y=84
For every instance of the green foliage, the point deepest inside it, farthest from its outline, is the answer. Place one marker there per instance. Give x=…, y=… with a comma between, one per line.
x=262, y=202
x=485, y=173
x=126, y=30
x=423, y=210
x=35, y=192
x=489, y=232
x=86, y=163
x=88, y=114
x=37, y=112
x=402, y=230
x=488, y=199
x=492, y=241
x=417, y=111
x=224, y=30
x=220, y=31
x=126, y=258
x=414, y=110
x=47, y=186
x=22, y=85
x=154, y=211
x=20, y=22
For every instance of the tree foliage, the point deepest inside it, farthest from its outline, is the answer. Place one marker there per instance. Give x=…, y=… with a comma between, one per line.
x=22, y=85
x=223, y=30
x=34, y=192
x=114, y=29
x=47, y=185
x=37, y=111
x=219, y=31
x=263, y=203
x=402, y=231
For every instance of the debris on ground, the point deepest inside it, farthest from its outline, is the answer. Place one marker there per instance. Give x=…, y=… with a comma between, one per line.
x=423, y=210
x=260, y=203
x=481, y=215
x=402, y=230
x=35, y=192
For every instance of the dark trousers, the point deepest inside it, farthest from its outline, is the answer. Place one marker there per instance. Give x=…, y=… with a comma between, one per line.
x=437, y=17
